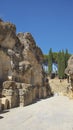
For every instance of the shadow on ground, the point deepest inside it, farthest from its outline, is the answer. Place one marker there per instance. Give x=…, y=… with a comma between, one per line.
x=2, y=112
x=1, y=117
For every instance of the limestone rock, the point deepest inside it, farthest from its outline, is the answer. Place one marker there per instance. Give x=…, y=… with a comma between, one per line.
x=29, y=44
x=9, y=43
x=9, y=85
x=21, y=68
x=5, y=66
x=7, y=35
x=34, y=56
x=69, y=69
x=69, y=72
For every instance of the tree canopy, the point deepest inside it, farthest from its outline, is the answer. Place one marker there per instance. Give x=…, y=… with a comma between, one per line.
x=60, y=58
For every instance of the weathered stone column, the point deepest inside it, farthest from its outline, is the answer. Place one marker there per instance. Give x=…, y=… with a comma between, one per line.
x=30, y=96
x=21, y=97
x=40, y=92
x=44, y=92
x=33, y=93
x=11, y=93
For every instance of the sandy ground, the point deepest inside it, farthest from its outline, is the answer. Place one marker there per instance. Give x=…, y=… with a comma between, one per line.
x=55, y=113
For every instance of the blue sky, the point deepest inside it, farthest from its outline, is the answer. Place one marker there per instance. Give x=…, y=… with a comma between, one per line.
x=49, y=21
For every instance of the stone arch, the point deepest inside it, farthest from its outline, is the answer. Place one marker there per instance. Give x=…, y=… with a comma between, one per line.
x=7, y=104
x=2, y=106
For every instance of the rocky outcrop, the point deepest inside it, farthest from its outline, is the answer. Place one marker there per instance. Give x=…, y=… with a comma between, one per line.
x=34, y=56
x=8, y=37
x=8, y=42
x=69, y=72
x=21, y=72
x=69, y=69
x=5, y=66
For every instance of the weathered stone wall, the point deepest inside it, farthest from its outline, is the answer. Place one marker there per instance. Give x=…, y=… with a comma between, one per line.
x=5, y=66
x=34, y=55
x=20, y=68
x=8, y=40
x=7, y=35
x=69, y=72
x=20, y=55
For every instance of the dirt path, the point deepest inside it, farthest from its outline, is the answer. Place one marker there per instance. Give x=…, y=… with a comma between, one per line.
x=54, y=113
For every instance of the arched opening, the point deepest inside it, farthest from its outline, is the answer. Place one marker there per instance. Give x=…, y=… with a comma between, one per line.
x=7, y=104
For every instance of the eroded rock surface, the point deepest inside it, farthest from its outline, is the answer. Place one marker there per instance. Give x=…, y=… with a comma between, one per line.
x=7, y=35
x=69, y=72
x=34, y=56
x=69, y=69
x=5, y=66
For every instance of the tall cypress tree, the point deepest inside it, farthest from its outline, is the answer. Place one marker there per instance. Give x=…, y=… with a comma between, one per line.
x=67, y=55
x=50, y=61
x=61, y=64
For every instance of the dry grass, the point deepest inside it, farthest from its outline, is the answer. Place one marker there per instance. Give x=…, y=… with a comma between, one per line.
x=57, y=86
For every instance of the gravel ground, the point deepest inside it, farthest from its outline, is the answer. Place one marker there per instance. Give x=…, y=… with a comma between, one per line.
x=55, y=113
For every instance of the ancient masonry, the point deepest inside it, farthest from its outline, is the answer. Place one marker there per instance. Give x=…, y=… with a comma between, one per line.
x=22, y=78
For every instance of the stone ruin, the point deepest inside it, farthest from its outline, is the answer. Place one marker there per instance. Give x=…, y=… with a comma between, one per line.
x=22, y=78
x=69, y=72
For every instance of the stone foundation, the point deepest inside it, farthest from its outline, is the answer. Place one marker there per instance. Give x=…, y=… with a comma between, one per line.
x=17, y=94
